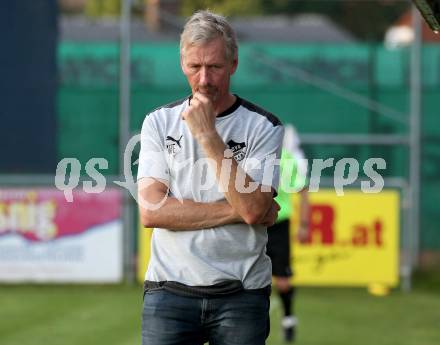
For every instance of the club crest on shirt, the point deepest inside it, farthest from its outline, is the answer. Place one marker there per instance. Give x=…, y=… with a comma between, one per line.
x=238, y=149
x=173, y=145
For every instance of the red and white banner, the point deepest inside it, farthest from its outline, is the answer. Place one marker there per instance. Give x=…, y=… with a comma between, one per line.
x=44, y=238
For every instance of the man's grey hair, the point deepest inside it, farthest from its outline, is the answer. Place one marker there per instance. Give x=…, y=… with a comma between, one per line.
x=203, y=27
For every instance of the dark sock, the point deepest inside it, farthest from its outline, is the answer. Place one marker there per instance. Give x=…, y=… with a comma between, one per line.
x=287, y=300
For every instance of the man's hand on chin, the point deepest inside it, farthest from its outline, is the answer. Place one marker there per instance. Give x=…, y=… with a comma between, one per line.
x=200, y=115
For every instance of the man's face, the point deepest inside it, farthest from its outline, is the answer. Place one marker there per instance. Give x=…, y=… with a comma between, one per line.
x=207, y=69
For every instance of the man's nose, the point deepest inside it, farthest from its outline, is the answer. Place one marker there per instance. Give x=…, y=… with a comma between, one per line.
x=204, y=76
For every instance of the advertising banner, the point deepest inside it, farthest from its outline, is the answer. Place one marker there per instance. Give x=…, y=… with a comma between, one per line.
x=44, y=238
x=353, y=240
x=144, y=241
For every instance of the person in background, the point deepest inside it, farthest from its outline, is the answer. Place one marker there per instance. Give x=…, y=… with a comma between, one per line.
x=278, y=246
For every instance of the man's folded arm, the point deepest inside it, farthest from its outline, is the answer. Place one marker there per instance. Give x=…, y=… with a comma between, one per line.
x=159, y=210
x=252, y=206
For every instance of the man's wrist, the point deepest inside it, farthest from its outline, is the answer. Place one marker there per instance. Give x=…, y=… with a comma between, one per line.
x=212, y=144
x=234, y=217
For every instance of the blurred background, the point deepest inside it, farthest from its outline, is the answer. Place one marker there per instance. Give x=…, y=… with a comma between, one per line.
x=358, y=79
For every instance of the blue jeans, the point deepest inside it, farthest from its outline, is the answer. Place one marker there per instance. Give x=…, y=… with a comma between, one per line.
x=238, y=319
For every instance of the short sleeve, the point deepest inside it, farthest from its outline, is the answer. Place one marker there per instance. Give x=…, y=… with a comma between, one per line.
x=263, y=159
x=152, y=156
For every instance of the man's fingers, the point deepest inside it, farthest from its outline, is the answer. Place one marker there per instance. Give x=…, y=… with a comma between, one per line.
x=269, y=223
x=195, y=103
x=271, y=215
x=186, y=113
x=202, y=98
x=203, y=101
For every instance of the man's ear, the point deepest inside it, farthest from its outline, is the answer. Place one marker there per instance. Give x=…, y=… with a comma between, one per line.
x=181, y=62
x=234, y=65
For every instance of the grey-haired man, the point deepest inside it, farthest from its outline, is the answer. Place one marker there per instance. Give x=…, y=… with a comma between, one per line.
x=207, y=178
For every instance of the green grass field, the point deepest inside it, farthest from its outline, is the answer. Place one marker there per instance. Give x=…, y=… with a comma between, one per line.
x=110, y=315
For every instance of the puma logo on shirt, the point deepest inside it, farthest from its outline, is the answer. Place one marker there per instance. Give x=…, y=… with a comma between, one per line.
x=173, y=145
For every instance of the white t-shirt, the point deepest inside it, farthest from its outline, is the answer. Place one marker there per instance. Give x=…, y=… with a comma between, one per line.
x=169, y=152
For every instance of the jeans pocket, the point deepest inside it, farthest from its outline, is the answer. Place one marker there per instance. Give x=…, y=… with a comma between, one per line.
x=152, y=291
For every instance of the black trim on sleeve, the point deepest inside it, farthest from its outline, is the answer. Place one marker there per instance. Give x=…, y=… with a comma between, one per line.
x=171, y=105
x=257, y=109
